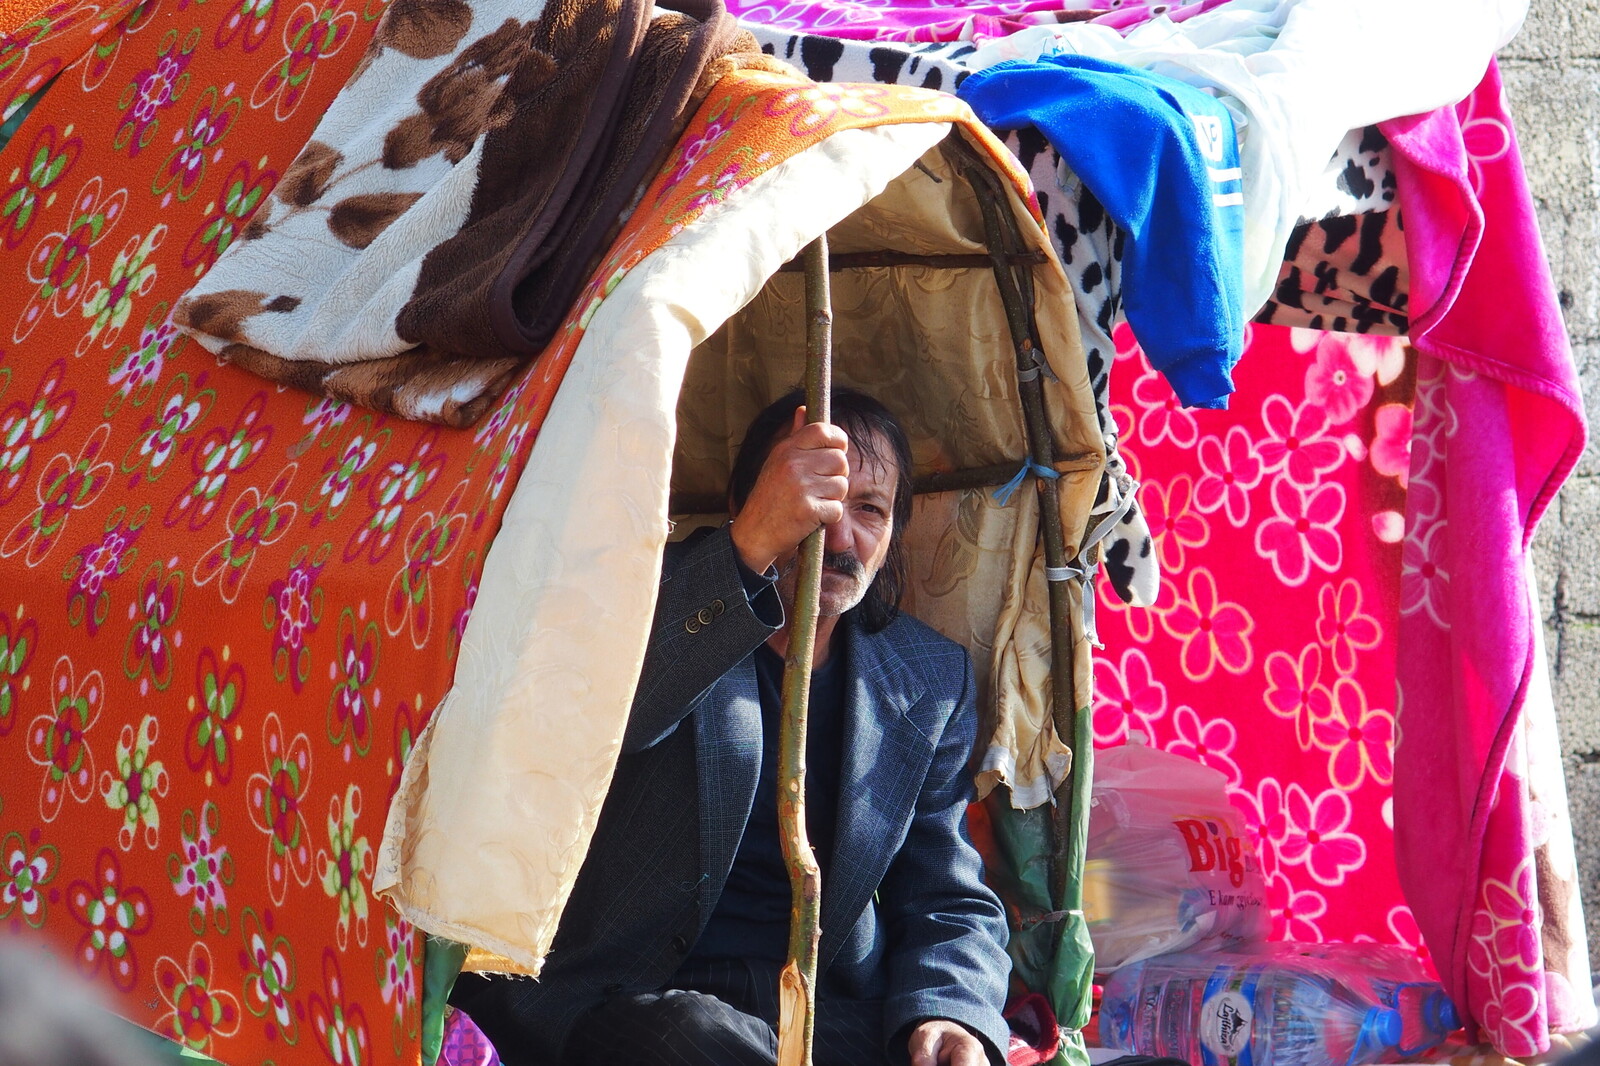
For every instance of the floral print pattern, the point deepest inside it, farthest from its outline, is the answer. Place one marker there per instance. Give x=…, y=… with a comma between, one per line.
x=247, y=967
x=1272, y=653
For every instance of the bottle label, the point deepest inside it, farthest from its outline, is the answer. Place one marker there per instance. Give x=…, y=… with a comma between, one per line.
x=1227, y=1018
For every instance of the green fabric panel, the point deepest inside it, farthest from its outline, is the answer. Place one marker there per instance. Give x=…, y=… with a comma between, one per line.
x=1023, y=882
x=160, y=1049
x=441, y=965
x=1050, y=947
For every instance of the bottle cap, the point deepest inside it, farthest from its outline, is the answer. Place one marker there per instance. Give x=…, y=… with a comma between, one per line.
x=1449, y=1020
x=1381, y=1029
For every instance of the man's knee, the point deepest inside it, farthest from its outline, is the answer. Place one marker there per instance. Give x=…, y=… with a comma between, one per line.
x=672, y=1028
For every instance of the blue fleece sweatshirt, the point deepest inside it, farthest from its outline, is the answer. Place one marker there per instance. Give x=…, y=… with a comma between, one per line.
x=1163, y=159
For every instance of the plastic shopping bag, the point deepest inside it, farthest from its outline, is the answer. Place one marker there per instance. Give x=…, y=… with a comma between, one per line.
x=1171, y=863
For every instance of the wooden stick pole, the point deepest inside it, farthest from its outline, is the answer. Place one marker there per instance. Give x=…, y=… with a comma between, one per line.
x=797, y=984
x=1071, y=809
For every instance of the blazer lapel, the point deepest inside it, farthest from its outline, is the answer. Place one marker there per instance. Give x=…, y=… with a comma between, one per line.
x=886, y=757
x=728, y=764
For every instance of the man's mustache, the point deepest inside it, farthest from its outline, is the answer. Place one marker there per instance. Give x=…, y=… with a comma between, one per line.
x=845, y=563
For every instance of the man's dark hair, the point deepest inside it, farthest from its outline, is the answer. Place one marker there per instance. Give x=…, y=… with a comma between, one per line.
x=870, y=426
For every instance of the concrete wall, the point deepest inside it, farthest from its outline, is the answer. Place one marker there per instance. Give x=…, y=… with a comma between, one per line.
x=1552, y=78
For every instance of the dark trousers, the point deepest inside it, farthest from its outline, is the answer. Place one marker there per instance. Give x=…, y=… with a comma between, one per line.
x=720, y=1013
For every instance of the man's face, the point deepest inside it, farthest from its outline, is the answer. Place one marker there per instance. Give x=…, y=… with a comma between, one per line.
x=854, y=547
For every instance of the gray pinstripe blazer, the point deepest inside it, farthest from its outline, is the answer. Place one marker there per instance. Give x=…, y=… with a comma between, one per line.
x=905, y=914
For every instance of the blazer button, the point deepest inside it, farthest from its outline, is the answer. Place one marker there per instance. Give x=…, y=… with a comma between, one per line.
x=680, y=944
x=717, y=607
x=692, y=625
x=704, y=616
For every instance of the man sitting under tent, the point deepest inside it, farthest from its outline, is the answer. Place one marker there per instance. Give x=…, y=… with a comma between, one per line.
x=670, y=947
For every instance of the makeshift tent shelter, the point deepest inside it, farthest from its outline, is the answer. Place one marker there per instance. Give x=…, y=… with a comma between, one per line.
x=223, y=478
x=300, y=580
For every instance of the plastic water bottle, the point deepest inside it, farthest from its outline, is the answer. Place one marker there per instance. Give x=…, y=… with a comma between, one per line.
x=1277, y=1009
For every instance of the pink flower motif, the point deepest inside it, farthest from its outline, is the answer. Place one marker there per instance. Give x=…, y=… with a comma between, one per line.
x=66, y=485
x=694, y=149
x=151, y=642
x=715, y=189
x=26, y=869
x=154, y=90
x=819, y=105
x=1407, y=933
x=1174, y=525
x=1126, y=697
x=1359, y=740
x=355, y=696
x=202, y=868
x=58, y=741
x=344, y=472
x=1304, y=530
x=296, y=601
x=1511, y=1018
x=1424, y=582
x=27, y=424
x=1342, y=627
x=398, y=970
x=1209, y=743
x=325, y=414
x=1317, y=836
x=340, y=1024
x=1295, y=691
x=1433, y=413
x=218, y=455
x=1214, y=632
x=1505, y=927
x=500, y=477
x=1164, y=418
x=1391, y=445
x=312, y=33
x=1231, y=471
x=139, y=366
x=197, y=1009
x=276, y=799
x=1294, y=913
x=112, y=912
x=1296, y=442
x=97, y=564
x=1273, y=820
x=1336, y=382
x=255, y=520
x=269, y=968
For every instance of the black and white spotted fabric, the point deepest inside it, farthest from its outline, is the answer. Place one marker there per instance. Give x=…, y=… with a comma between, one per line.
x=1329, y=280
x=1346, y=271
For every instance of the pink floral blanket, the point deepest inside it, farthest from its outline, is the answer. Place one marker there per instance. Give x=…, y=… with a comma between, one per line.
x=940, y=20
x=1499, y=424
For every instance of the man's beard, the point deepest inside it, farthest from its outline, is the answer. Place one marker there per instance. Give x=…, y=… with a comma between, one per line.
x=845, y=582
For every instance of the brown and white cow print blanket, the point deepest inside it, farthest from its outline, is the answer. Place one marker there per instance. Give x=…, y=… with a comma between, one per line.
x=430, y=238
